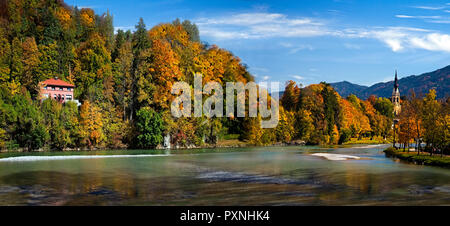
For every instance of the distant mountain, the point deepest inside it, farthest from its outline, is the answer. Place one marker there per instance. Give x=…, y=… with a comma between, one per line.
x=346, y=88
x=421, y=84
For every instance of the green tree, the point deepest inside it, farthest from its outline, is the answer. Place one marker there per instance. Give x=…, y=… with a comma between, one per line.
x=123, y=79
x=140, y=42
x=149, y=125
x=59, y=137
x=70, y=122
x=5, y=54
x=106, y=29
x=49, y=66
x=332, y=109
x=304, y=125
x=94, y=64
x=28, y=128
x=384, y=106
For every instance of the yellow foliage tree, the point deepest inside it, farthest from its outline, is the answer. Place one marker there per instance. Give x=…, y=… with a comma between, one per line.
x=91, y=124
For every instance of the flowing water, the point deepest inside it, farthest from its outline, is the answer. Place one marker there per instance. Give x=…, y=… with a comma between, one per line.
x=345, y=175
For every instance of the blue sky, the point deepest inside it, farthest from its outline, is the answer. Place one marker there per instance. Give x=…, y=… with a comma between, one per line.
x=309, y=41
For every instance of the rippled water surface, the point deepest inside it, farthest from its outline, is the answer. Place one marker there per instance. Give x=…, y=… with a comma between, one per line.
x=246, y=176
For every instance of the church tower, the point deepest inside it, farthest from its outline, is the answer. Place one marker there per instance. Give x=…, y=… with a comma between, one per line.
x=396, y=97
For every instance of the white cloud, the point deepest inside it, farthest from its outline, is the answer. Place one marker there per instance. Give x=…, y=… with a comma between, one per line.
x=400, y=38
x=351, y=46
x=293, y=48
x=259, y=69
x=275, y=25
x=392, y=37
x=440, y=21
x=298, y=77
x=265, y=78
x=433, y=42
x=395, y=44
x=429, y=19
x=286, y=44
x=430, y=7
x=404, y=16
x=259, y=25
x=418, y=17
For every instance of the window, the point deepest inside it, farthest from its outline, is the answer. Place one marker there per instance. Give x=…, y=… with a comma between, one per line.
x=45, y=87
x=68, y=97
x=69, y=89
x=61, y=88
x=55, y=96
x=45, y=95
x=53, y=88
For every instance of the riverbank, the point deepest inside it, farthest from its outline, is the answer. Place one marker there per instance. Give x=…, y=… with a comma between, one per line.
x=421, y=159
x=375, y=140
x=226, y=143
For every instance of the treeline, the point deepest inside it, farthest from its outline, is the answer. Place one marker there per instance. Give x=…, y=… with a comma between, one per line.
x=425, y=120
x=319, y=115
x=123, y=80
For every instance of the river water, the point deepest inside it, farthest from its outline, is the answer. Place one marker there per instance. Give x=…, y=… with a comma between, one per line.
x=234, y=176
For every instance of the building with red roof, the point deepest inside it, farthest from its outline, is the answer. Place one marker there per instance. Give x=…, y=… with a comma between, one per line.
x=57, y=89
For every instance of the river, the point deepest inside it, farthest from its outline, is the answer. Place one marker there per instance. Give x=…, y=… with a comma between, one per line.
x=235, y=176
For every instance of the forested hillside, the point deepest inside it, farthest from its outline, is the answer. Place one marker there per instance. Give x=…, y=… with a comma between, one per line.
x=320, y=115
x=123, y=81
x=438, y=80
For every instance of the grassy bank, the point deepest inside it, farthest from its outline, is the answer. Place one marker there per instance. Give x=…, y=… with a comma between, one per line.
x=422, y=159
x=375, y=140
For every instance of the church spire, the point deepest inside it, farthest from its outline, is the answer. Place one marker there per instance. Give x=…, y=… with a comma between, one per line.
x=396, y=96
x=396, y=80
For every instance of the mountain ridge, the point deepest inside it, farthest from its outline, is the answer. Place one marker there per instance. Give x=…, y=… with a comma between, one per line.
x=420, y=84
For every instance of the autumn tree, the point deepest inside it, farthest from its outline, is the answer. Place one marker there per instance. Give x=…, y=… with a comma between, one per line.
x=90, y=124
x=30, y=62
x=430, y=117
x=406, y=124
x=162, y=71
x=93, y=65
x=5, y=53
x=415, y=109
x=285, y=131
x=48, y=66
x=290, y=100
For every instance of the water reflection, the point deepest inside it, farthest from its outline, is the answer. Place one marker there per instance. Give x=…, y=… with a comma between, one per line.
x=260, y=176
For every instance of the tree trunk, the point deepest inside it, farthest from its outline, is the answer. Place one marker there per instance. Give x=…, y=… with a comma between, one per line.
x=418, y=148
